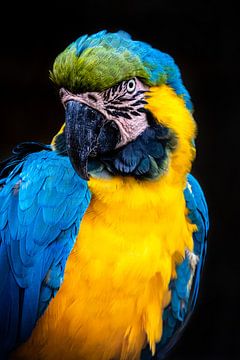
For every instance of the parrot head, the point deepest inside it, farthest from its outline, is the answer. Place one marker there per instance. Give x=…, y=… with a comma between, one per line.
x=127, y=112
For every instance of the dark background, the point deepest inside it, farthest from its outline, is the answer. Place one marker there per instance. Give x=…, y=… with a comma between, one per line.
x=203, y=39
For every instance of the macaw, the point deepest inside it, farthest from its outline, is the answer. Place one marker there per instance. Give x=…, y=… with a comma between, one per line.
x=103, y=232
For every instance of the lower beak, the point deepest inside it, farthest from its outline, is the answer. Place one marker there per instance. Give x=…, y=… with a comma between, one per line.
x=88, y=134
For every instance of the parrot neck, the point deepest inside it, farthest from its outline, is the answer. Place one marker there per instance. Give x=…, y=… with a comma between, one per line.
x=170, y=111
x=126, y=195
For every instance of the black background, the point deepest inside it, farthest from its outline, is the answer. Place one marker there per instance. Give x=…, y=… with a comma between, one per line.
x=203, y=39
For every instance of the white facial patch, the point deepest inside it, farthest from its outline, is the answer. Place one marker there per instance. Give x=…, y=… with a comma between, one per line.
x=123, y=103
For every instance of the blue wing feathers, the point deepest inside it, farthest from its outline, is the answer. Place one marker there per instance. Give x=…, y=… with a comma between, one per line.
x=4, y=270
x=42, y=202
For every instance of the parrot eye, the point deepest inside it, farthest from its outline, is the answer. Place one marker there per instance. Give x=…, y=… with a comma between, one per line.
x=131, y=85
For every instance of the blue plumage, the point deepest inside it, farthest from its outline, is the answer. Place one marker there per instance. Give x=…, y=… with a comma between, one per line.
x=42, y=201
x=159, y=68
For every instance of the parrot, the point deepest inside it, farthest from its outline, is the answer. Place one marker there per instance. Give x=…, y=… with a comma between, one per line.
x=103, y=231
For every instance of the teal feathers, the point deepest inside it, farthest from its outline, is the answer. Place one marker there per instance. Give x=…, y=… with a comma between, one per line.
x=42, y=202
x=99, y=61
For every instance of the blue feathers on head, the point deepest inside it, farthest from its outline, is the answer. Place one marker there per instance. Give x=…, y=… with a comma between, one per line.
x=122, y=57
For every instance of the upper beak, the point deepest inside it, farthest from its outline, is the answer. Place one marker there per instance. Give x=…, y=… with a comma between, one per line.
x=88, y=133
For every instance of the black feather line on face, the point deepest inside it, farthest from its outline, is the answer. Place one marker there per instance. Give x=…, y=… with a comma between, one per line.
x=144, y=158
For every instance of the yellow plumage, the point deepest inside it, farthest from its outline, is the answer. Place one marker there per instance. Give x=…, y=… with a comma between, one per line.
x=116, y=279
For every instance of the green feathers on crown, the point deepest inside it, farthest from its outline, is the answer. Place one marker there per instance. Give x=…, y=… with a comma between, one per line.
x=96, y=63
x=99, y=61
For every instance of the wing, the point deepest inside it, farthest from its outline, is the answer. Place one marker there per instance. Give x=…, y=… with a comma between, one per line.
x=42, y=202
x=185, y=287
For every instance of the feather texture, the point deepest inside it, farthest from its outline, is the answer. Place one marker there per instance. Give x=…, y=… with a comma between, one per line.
x=183, y=301
x=113, y=314
x=99, y=61
x=42, y=201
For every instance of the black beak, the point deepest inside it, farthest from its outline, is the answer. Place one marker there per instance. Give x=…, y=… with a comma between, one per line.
x=88, y=134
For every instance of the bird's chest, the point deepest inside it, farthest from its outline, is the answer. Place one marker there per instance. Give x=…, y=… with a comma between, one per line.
x=115, y=286
x=109, y=286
